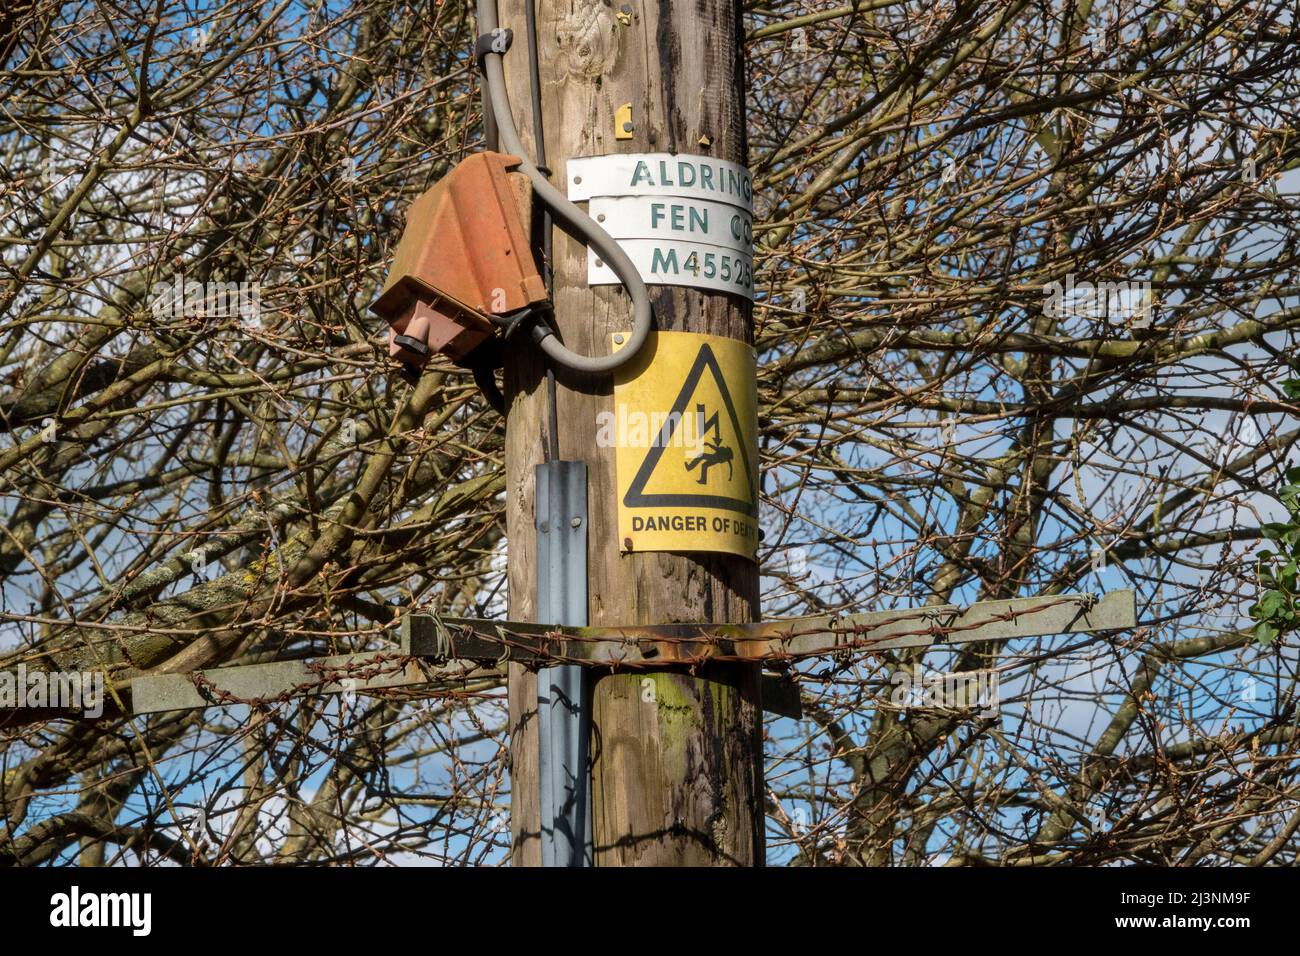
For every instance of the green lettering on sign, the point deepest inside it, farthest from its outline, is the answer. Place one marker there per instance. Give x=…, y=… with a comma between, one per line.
x=658, y=259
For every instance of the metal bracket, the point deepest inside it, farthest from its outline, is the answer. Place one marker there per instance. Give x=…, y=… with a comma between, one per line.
x=563, y=692
x=623, y=127
x=774, y=643
x=498, y=42
x=455, y=650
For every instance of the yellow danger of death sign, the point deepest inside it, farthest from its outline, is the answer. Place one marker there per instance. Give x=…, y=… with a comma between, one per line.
x=685, y=426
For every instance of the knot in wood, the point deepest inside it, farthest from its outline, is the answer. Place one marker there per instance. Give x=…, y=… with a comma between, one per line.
x=587, y=39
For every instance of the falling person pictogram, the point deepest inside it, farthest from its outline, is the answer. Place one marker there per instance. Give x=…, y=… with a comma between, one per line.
x=717, y=453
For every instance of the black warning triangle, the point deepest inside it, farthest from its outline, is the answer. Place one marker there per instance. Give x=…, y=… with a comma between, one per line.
x=636, y=496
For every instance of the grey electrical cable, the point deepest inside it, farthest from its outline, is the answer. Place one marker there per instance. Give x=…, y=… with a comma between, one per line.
x=548, y=274
x=569, y=214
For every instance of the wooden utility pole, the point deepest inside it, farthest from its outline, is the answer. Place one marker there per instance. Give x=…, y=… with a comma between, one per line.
x=677, y=758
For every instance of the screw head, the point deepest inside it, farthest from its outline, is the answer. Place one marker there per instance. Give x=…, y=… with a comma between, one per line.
x=576, y=522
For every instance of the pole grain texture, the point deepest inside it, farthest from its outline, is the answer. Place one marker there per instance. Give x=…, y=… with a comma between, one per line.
x=676, y=757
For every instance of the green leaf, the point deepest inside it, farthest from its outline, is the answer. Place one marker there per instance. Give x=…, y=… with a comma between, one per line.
x=1265, y=633
x=1272, y=603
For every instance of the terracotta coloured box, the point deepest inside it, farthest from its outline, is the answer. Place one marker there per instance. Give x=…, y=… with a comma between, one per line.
x=463, y=256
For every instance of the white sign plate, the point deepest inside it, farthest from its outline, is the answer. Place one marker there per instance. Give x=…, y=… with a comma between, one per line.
x=674, y=219
x=661, y=174
x=695, y=264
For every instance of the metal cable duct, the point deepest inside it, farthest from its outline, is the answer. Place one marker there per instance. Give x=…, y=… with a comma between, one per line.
x=569, y=214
